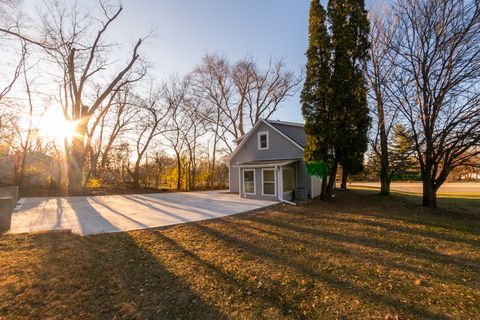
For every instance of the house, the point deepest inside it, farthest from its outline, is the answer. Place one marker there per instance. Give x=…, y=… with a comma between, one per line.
x=268, y=163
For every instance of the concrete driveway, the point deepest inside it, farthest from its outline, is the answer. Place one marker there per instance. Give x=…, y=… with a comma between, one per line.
x=116, y=213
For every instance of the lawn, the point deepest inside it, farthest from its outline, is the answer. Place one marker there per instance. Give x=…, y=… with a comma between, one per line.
x=359, y=256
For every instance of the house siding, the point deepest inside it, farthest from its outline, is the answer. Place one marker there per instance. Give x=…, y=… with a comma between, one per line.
x=279, y=148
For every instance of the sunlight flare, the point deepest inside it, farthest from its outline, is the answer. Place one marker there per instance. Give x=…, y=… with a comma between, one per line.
x=52, y=125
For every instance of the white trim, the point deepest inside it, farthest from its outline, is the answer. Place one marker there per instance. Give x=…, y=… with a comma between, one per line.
x=247, y=137
x=254, y=182
x=274, y=182
x=288, y=202
x=259, y=143
x=240, y=182
x=280, y=182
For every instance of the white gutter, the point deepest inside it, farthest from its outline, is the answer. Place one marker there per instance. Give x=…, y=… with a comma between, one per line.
x=288, y=202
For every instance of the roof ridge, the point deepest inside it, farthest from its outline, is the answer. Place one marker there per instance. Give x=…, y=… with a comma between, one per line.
x=287, y=123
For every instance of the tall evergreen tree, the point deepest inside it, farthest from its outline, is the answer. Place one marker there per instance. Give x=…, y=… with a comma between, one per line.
x=349, y=28
x=334, y=102
x=315, y=93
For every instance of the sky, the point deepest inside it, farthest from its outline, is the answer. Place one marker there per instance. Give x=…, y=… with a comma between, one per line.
x=188, y=29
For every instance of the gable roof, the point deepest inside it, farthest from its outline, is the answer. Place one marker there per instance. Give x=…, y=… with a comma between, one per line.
x=281, y=128
x=295, y=131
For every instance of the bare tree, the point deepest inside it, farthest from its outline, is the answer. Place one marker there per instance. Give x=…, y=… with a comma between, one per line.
x=6, y=6
x=195, y=128
x=379, y=71
x=237, y=96
x=436, y=84
x=150, y=123
x=261, y=92
x=81, y=54
x=175, y=93
x=122, y=116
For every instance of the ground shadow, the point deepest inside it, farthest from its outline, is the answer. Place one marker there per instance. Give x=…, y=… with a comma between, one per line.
x=97, y=277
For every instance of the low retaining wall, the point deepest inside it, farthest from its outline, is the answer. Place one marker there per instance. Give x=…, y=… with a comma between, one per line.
x=11, y=192
x=6, y=207
x=8, y=201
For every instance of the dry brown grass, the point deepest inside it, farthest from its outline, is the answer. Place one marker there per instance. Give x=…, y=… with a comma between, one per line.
x=359, y=256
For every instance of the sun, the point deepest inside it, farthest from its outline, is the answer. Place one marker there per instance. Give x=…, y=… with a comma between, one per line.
x=52, y=125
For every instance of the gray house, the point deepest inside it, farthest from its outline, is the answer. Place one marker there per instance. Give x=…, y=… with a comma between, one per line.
x=268, y=163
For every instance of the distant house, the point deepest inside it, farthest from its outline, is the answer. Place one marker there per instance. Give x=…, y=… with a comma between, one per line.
x=268, y=163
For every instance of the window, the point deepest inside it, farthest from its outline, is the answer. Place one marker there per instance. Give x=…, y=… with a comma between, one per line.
x=287, y=179
x=268, y=182
x=263, y=140
x=249, y=181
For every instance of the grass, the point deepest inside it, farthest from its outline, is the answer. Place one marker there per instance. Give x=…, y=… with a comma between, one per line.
x=359, y=256
x=462, y=202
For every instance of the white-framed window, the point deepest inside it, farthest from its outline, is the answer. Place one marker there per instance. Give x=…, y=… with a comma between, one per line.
x=263, y=140
x=269, y=186
x=249, y=181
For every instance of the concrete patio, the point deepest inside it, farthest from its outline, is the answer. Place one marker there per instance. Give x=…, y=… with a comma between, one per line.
x=116, y=213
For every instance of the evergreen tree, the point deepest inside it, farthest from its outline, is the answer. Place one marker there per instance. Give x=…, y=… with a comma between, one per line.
x=403, y=164
x=349, y=36
x=334, y=102
x=315, y=93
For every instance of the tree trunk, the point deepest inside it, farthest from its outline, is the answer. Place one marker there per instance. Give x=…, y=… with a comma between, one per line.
x=429, y=193
x=344, y=179
x=323, y=194
x=136, y=175
x=212, y=171
x=179, y=172
x=384, y=182
x=384, y=153
x=76, y=161
x=331, y=181
x=21, y=169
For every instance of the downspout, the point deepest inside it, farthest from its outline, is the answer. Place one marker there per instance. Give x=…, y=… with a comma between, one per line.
x=279, y=189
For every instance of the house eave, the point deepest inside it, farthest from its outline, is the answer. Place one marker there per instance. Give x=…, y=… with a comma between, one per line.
x=247, y=136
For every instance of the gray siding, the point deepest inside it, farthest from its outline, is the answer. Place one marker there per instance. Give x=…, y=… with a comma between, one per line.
x=233, y=180
x=279, y=148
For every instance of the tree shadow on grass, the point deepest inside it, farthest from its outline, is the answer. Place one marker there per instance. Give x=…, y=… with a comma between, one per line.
x=344, y=286
x=232, y=283
x=98, y=277
x=400, y=208
x=408, y=249
x=403, y=229
x=340, y=248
